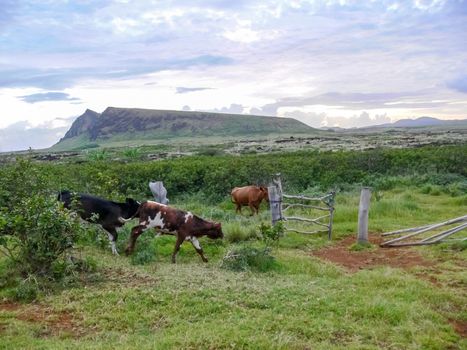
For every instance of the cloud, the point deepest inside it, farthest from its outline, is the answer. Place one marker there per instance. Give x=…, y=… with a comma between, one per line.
x=60, y=78
x=352, y=101
x=459, y=84
x=22, y=135
x=184, y=90
x=48, y=96
x=234, y=108
x=319, y=120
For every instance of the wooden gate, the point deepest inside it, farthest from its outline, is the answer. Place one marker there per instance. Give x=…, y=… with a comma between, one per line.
x=280, y=203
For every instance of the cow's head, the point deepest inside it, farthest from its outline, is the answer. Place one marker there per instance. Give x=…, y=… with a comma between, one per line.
x=215, y=231
x=132, y=207
x=264, y=193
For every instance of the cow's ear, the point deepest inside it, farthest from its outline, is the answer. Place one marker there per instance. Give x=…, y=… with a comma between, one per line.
x=217, y=225
x=129, y=200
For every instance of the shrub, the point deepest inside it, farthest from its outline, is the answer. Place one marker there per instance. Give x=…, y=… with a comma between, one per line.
x=36, y=232
x=143, y=257
x=249, y=258
x=257, y=259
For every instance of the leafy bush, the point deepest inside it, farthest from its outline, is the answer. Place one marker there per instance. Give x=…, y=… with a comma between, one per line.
x=249, y=258
x=256, y=259
x=271, y=234
x=36, y=232
x=143, y=257
x=132, y=153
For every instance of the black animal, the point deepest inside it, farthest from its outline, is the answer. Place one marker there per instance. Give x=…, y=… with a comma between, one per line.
x=108, y=214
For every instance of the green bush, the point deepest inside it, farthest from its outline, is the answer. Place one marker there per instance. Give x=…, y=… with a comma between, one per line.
x=249, y=259
x=36, y=232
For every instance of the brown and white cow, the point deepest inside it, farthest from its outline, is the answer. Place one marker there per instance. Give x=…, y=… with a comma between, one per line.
x=249, y=195
x=168, y=220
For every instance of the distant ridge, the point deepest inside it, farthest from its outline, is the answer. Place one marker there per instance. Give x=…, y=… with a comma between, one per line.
x=120, y=124
x=422, y=122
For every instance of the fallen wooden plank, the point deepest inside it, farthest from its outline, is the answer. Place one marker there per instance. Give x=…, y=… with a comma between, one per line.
x=427, y=228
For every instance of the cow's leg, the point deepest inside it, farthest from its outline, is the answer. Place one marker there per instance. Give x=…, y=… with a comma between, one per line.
x=135, y=232
x=252, y=207
x=197, y=246
x=113, y=235
x=178, y=243
x=239, y=208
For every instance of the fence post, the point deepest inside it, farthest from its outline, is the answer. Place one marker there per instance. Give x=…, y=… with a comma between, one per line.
x=331, y=213
x=275, y=199
x=363, y=215
x=159, y=192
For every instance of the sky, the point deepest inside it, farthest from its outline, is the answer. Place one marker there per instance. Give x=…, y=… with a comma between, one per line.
x=346, y=63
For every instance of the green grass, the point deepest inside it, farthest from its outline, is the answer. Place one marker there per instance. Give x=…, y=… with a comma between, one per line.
x=302, y=302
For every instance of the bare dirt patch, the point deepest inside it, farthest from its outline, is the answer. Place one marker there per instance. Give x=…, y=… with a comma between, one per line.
x=460, y=327
x=54, y=323
x=127, y=277
x=353, y=261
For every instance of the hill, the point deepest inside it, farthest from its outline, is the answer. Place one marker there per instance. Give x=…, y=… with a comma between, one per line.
x=423, y=122
x=140, y=125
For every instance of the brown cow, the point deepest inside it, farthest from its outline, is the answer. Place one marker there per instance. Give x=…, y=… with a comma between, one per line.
x=249, y=195
x=167, y=220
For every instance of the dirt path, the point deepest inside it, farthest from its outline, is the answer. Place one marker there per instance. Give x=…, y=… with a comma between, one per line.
x=353, y=261
x=54, y=323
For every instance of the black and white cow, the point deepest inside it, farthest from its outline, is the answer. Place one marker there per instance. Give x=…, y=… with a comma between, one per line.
x=108, y=214
x=168, y=220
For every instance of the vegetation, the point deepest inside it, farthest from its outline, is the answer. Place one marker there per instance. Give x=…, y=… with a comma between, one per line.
x=275, y=294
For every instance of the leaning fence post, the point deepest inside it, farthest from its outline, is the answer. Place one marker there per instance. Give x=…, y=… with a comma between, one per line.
x=363, y=215
x=275, y=199
x=159, y=192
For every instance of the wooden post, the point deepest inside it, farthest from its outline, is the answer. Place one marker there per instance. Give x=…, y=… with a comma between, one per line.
x=275, y=199
x=330, y=203
x=363, y=215
x=159, y=192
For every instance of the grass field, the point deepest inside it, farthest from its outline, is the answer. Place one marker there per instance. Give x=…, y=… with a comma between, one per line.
x=302, y=302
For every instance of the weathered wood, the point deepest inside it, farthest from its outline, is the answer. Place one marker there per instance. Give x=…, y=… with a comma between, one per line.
x=428, y=228
x=405, y=230
x=441, y=237
x=449, y=222
x=159, y=192
x=363, y=210
x=275, y=203
x=302, y=197
x=441, y=233
x=331, y=218
x=291, y=205
x=278, y=207
x=295, y=218
x=305, y=232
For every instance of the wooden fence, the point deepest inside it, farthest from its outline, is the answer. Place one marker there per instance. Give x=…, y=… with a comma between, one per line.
x=433, y=239
x=280, y=203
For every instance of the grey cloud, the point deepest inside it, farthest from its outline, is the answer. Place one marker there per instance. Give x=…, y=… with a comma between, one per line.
x=62, y=78
x=184, y=90
x=48, y=96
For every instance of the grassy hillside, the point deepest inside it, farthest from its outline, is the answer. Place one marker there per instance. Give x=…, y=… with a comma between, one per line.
x=140, y=126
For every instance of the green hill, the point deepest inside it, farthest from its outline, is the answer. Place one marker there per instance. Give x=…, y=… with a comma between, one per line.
x=139, y=126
